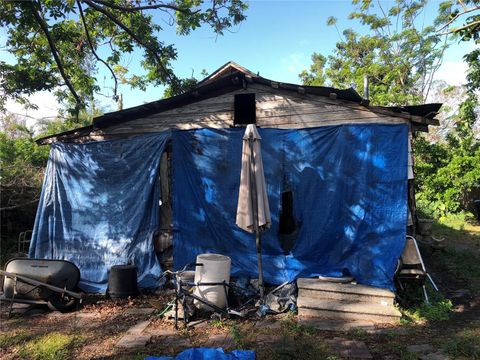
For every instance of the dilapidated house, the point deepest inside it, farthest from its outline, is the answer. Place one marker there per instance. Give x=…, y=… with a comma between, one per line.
x=338, y=174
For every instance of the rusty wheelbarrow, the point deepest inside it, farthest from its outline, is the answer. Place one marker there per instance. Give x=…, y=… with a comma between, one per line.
x=41, y=282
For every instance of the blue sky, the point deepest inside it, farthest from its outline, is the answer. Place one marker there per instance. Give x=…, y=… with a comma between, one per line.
x=276, y=40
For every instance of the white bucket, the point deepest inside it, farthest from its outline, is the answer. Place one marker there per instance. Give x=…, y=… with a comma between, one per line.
x=215, y=269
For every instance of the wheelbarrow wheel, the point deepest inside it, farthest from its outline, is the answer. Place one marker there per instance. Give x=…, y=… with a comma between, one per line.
x=63, y=304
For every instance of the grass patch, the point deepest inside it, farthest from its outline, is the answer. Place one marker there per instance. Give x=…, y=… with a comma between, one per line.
x=304, y=347
x=9, y=340
x=464, y=344
x=53, y=346
x=458, y=228
x=464, y=265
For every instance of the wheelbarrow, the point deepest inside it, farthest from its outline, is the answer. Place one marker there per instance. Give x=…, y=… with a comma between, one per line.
x=41, y=282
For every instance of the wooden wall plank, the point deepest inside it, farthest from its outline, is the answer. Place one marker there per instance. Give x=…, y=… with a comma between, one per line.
x=275, y=108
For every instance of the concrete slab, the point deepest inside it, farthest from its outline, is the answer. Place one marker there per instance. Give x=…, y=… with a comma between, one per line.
x=133, y=341
x=140, y=311
x=215, y=340
x=269, y=339
x=229, y=342
x=139, y=327
x=164, y=331
x=198, y=324
x=349, y=349
x=268, y=324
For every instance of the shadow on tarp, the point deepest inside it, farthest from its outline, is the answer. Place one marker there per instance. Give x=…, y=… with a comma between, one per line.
x=99, y=207
x=208, y=354
x=349, y=186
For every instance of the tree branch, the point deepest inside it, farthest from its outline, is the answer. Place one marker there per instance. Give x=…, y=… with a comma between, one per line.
x=457, y=16
x=19, y=205
x=144, y=7
x=455, y=30
x=44, y=26
x=89, y=40
x=115, y=20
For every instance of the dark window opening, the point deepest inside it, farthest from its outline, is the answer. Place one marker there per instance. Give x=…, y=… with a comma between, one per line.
x=287, y=224
x=244, y=109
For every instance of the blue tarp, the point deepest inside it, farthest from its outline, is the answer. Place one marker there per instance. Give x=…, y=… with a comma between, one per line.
x=349, y=188
x=208, y=354
x=99, y=207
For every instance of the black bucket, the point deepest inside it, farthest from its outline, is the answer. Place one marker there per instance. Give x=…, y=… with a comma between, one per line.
x=122, y=281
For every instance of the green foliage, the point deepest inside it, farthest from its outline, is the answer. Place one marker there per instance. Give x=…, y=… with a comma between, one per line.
x=13, y=339
x=22, y=164
x=465, y=344
x=461, y=18
x=238, y=336
x=22, y=161
x=315, y=76
x=52, y=346
x=184, y=86
x=219, y=324
x=438, y=310
x=448, y=173
x=57, y=43
x=398, y=55
x=464, y=265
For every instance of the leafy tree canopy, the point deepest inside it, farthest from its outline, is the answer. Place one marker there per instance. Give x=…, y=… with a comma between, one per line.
x=398, y=53
x=461, y=17
x=60, y=44
x=449, y=171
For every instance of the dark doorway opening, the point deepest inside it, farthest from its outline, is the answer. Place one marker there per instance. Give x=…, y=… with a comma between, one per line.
x=287, y=224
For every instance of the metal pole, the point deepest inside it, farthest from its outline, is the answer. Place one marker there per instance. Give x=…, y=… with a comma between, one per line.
x=254, y=199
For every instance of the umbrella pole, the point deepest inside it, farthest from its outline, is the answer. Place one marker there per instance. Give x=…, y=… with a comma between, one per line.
x=254, y=198
x=260, y=273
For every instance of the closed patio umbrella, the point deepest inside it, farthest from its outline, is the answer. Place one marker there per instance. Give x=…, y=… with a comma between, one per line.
x=253, y=212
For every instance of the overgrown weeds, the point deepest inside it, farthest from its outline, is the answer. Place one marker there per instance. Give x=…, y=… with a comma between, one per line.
x=417, y=310
x=238, y=336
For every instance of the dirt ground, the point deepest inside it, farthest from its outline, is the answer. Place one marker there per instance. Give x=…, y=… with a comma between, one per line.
x=97, y=329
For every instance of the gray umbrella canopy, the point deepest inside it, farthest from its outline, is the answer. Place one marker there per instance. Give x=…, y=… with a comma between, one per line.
x=253, y=211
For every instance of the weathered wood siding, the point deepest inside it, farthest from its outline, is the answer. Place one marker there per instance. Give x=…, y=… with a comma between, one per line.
x=274, y=108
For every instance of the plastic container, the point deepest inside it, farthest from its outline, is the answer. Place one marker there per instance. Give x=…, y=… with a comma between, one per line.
x=425, y=226
x=122, y=281
x=215, y=269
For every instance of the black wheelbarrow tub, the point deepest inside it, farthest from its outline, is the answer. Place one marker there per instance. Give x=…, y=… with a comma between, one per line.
x=36, y=281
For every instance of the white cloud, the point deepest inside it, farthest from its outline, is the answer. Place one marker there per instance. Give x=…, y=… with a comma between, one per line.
x=452, y=72
x=296, y=62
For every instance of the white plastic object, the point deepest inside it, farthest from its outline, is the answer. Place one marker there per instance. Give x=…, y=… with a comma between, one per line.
x=215, y=269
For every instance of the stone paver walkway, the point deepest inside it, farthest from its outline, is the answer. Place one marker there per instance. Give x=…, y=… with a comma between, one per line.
x=350, y=349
